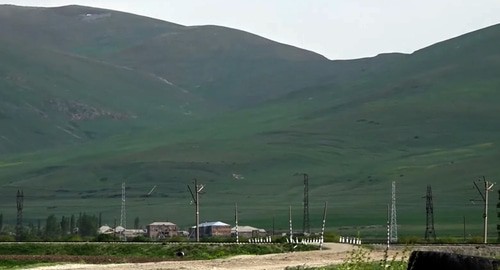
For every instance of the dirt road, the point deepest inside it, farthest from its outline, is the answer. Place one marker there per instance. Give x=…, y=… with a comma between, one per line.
x=332, y=254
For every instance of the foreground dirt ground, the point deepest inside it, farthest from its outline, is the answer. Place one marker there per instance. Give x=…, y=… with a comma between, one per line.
x=332, y=254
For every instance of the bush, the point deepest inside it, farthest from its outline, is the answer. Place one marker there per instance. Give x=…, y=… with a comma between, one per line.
x=331, y=237
x=7, y=238
x=447, y=240
x=475, y=240
x=107, y=238
x=177, y=238
x=217, y=239
x=140, y=238
x=74, y=238
x=410, y=240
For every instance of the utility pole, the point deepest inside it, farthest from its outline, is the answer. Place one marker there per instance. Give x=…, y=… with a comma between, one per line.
x=464, y=231
x=323, y=229
x=273, y=225
x=388, y=227
x=236, y=222
x=196, y=197
x=290, y=220
x=19, y=225
x=429, y=209
x=393, y=225
x=123, y=213
x=488, y=186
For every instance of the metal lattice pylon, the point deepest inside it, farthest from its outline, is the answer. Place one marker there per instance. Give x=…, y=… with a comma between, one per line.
x=19, y=225
x=429, y=209
x=123, y=216
x=498, y=210
x=393, y=229
x=306, y=228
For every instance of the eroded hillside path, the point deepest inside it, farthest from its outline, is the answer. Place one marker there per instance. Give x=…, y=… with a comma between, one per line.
x=333, y=253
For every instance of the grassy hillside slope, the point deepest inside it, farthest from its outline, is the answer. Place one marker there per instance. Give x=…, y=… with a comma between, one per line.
x=50, y=99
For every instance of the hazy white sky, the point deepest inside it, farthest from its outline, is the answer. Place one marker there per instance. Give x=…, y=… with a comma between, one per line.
x=338, y=29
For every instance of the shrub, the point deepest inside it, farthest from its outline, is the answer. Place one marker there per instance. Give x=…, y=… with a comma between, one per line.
x=7, y=238
x=107, y=238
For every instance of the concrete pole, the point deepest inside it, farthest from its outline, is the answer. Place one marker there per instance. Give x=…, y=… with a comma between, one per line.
x=197, y=210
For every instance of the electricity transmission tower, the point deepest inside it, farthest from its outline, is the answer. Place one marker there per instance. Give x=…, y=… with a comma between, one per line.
x=19, y=224
x=123, y=215
x=196, y=196
x=488, y=186
x=498, y=212
x=393, y=229
x=305, y=225
x=429, y=209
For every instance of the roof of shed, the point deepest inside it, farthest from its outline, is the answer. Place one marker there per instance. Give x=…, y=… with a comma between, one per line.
x=162, y=223
x=213, y=224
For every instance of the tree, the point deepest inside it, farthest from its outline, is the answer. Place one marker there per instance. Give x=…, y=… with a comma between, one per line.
x=136, y=223
x=87, y=225
x=52, y=228
x=39, y=228
x=1, y=222
x=32, y=234
x=65, y=230
x=72, y=224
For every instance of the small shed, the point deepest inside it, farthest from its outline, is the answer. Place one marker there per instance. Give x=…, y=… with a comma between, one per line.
x=133, y=233
x=248, y=231
x=161, y=230
x=105, y=229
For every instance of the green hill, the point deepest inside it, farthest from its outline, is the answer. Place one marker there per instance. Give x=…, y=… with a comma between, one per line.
x=150, y=103
x=51, y=98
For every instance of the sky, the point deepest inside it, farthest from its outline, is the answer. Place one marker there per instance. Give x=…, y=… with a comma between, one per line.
x=337, y=29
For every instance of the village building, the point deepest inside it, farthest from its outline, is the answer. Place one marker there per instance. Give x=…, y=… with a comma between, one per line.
x=248, y=232
x=121, y=232
x=161, y=230
x=105, y=229
x=212, y=229
x=133, y=233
